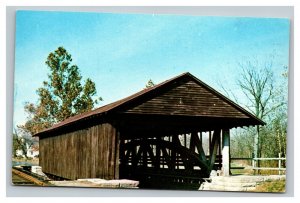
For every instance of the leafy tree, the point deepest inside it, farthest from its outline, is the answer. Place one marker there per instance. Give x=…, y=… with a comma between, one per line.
x=62, y=96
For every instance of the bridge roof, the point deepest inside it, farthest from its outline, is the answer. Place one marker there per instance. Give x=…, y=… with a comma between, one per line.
x=183, y=95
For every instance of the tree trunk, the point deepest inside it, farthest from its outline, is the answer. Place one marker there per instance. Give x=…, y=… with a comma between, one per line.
x=257, y=147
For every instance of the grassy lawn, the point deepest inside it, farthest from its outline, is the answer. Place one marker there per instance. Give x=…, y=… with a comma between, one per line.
x=274, y=186
x=248, y=171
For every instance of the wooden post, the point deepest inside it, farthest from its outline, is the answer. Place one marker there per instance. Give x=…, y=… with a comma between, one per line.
x=253, y=163
x=214, y=147
x=257, y=149
x=226, y=152
x=209, y=142
x=173, y=154
x=117, y=155
x=176, y=141
x=200, y=150
x=201, y=138
x=144, y=150
x=220, y=153
x=279, y=164
x=157, y=153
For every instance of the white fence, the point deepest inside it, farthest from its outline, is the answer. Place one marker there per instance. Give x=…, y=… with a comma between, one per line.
x=255, y=161
x=279, y=168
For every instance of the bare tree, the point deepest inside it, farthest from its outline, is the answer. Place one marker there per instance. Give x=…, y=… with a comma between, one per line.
x=257, y=84
x=279, y=116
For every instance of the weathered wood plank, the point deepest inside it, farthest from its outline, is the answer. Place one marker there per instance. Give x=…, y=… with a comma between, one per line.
x=188, y=98
x=86, y=153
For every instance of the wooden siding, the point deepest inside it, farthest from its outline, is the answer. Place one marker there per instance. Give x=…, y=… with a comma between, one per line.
x=86, y=153
x=190, y=99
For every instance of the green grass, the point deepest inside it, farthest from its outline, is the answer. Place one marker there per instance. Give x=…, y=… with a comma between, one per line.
x=274, y=186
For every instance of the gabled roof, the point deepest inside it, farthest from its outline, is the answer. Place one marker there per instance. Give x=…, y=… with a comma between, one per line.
x=128, y=100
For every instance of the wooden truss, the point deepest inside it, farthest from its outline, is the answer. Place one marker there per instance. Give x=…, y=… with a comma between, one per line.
x=174, y=155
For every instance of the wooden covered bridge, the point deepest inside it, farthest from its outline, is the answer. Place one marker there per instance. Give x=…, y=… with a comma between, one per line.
x=178, y=130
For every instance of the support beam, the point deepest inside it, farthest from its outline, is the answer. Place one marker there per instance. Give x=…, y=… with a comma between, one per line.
x=176, y=142
x=209, y=142
x=157, y=155
x=136, y=156
x=220, y=154
x=117, y=154
x=198, y=144
x=226, y=152
x=192, y=142
x=214, y=147
x=167, y=159
x=145, y=151
x=257, y=147
x=200, y=138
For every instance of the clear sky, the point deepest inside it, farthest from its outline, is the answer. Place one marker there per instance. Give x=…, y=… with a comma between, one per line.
x=121, y=52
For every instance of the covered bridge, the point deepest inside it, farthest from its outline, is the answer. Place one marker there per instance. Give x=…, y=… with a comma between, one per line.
x=154, y=134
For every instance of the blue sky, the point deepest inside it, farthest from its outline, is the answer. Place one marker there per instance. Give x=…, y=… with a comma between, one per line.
x=121, y=52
